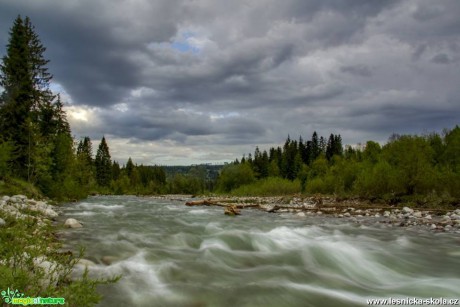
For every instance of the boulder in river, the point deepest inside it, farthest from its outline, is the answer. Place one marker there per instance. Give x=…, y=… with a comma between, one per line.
x=108, y=260
x=72, y=223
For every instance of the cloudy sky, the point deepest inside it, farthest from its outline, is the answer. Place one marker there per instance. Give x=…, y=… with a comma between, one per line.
x=194, y=81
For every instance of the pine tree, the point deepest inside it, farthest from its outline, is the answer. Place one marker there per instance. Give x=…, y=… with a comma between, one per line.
x=103, y=164
x=25, y=80
x=315, y=147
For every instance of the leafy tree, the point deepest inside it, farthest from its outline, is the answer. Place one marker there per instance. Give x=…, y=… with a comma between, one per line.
x=103, y=164
x=233, y=176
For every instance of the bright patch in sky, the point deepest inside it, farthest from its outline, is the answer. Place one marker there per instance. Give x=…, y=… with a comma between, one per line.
x=186, y=42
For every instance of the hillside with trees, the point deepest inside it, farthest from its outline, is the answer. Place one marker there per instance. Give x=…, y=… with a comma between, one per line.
x=408, y=167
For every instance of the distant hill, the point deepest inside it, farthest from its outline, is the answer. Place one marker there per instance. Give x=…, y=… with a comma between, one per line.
x=212, y=170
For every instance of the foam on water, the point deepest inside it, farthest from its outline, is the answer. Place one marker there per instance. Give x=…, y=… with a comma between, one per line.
x=89, y=206
x=173, y=255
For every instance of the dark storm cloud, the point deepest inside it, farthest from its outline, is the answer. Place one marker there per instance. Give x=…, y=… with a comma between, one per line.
x=193, y=74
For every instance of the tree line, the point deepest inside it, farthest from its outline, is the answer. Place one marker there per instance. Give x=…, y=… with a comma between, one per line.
x=406, y=166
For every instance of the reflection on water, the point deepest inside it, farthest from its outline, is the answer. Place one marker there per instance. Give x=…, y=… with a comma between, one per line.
x=173, y=255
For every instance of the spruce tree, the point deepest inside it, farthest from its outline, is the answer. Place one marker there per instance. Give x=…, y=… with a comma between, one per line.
x=103, y=164
x=25, y=80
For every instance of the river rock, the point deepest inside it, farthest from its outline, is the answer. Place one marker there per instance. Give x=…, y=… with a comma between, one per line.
x=386, y=213
x=433, y=226
x=108, y=260
x=50, y=269
x=50, y=213
x=417, y=214
x=347, y=214
x=301, y=214
x=447, y=227
x=85, y=262
x=455, y=217
x=457, y=211
x=407, y=210
x=72, y=223
x=2, y=222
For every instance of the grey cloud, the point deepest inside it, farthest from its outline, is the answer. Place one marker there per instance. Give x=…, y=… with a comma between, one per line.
x=441, y=58
x=357, y=70
x=257, y=71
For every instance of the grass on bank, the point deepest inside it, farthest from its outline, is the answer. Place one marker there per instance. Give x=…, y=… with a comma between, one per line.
x=23, y=241
x=13, y=186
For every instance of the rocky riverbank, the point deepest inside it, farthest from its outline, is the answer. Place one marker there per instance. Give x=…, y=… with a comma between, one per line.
x=30, y=218
x=353, y=210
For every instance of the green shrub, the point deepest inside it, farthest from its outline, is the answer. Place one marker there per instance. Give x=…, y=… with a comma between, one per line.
x=268, y=187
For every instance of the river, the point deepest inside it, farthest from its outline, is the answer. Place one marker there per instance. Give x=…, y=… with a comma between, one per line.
x=173, y=255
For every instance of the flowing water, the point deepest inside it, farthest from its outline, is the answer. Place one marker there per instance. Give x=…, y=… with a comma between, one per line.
x=173, y=255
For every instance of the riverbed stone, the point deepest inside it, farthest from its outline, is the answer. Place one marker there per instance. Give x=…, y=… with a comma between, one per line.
x=301, y=214
x=85, y=262
x=50, y=269
x=417, y=214
x=386, y=213
x=72, y=223
x=108, y=260
x=407, y=210
x=2, y=222
x=50, y=213
x=347, y=214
